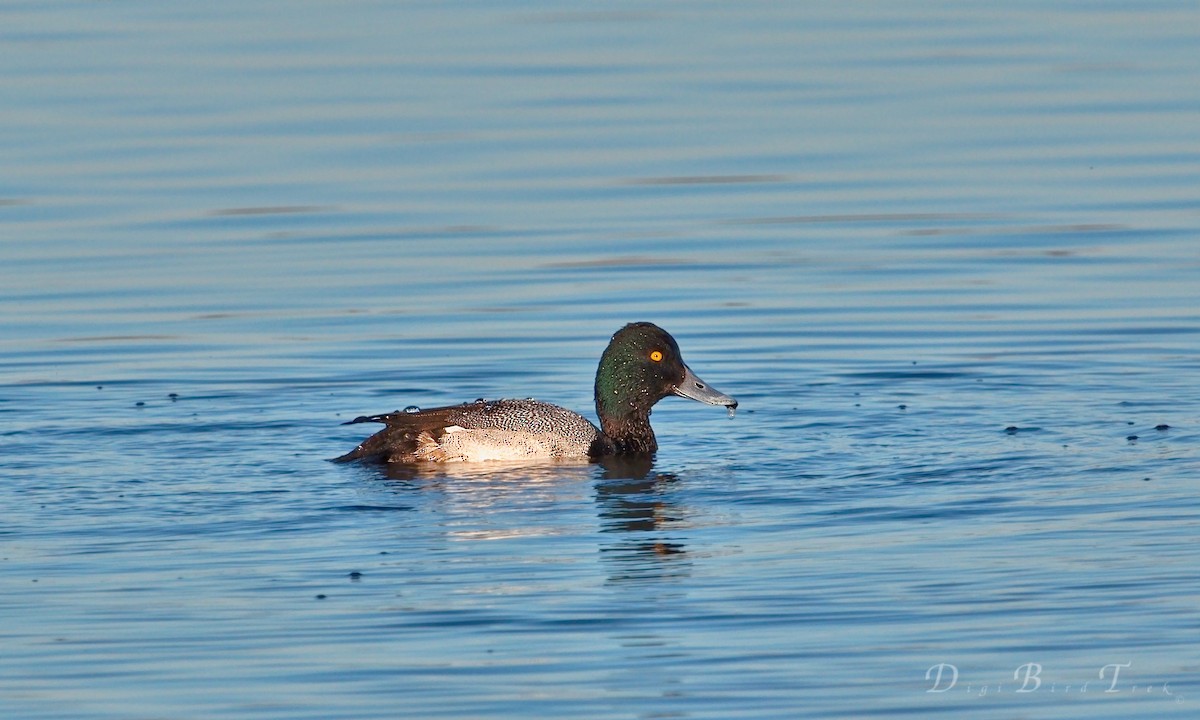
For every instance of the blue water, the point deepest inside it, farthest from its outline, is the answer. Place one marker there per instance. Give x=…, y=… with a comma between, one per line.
x=946, y=257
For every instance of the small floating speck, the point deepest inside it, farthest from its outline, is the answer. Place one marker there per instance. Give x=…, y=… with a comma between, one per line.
x=1012, y=429
x=139, y=403
x=412, y=409
x=1145, y=479
x=902, y=407
x=355, y=576
x=173, y=396
x=321, y=596
x=99, y=387
x=1131, y=438
x=1161, y=428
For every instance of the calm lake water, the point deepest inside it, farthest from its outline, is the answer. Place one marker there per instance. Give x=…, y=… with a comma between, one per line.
x=946, y=255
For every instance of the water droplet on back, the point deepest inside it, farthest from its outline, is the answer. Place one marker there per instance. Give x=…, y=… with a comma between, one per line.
x=412, y=409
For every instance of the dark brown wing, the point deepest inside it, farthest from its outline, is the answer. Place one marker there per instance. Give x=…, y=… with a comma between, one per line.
x=401, y=435
x=417, y=419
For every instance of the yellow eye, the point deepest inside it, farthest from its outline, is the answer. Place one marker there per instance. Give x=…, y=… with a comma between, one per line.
x=656, y=356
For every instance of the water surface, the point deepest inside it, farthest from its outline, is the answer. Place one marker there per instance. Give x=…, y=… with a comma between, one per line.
x=945, y=257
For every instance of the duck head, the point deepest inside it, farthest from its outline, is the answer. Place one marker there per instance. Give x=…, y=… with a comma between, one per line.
x=642, y=365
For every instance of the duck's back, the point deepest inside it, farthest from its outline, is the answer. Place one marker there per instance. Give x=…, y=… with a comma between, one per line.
x=482, y=430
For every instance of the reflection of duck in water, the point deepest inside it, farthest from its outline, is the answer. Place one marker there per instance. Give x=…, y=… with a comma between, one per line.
x=648, y=528
x=640, y=366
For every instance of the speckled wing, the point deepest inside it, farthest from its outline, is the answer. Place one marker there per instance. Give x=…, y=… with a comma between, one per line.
x=483, y=430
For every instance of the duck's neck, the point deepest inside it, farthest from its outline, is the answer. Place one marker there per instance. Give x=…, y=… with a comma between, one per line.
x=630, y=433
x=623, y=405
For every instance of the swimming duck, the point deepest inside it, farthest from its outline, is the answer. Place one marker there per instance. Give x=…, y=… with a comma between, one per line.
x=640, y=366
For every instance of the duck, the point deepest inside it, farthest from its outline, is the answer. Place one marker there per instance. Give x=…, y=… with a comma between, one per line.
x=641, y=365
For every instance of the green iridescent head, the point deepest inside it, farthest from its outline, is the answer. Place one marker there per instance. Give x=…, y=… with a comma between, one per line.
x=641, y=366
